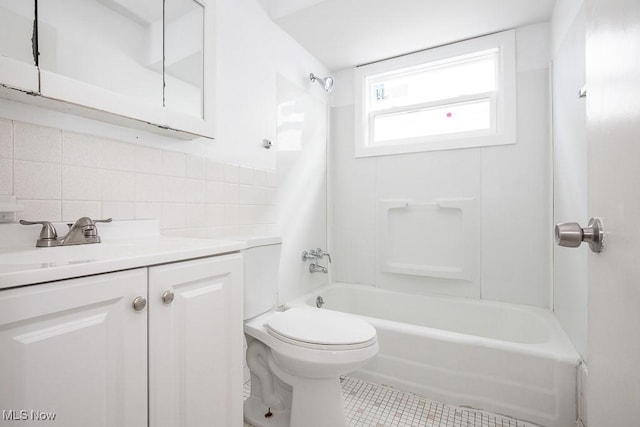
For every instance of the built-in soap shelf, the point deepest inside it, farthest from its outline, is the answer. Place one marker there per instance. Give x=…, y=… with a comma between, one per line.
x=439, y=238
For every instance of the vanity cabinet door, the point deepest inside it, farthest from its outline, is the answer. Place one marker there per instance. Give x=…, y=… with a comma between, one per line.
x=75, y=350
x=195, y=343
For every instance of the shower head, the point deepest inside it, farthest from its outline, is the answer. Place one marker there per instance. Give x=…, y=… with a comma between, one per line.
x=326, y=83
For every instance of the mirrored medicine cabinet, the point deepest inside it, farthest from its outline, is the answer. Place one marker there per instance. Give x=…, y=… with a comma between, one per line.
x=140, y=63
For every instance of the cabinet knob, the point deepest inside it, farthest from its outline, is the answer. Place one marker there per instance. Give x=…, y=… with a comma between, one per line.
x=139, y=303
x=168, y=297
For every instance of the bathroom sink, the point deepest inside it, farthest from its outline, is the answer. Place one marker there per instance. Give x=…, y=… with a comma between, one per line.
x=75, y=254
x=125, y=245
x=98, y=252
x=25, y=257
x=51, y=256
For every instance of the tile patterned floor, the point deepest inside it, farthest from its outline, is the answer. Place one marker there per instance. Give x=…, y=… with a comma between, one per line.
x=371, y=405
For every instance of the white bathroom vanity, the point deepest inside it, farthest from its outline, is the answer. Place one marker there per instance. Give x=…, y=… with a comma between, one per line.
x=137, y=330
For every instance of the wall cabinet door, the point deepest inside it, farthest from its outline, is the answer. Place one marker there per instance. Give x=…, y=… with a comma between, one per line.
x=195, y=343
x=76, y=348
x=18, y=68
x=143, y=64
x=138, y=60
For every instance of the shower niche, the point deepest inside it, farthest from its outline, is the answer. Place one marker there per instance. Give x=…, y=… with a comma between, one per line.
x=143, y=64
x=433, y=239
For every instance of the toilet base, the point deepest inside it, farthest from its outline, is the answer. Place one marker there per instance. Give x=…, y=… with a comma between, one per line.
x=314, y=403
x=254, y=413
x=318, y=403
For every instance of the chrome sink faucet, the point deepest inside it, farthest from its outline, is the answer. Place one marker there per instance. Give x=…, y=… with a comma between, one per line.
x=82, y=232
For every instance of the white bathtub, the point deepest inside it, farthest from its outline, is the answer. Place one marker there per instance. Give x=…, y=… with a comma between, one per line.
x=504, y=358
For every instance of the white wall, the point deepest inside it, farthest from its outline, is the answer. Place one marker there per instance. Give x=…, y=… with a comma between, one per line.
x=570, y=166
x=510, y=183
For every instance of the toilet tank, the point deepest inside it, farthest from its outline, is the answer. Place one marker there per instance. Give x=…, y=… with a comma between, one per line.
x=261, y=265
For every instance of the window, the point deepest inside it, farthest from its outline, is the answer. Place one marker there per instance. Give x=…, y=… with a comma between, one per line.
x=455, y=96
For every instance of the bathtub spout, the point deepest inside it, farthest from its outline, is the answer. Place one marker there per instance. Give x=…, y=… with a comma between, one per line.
x=317, y=268
x=255, y=351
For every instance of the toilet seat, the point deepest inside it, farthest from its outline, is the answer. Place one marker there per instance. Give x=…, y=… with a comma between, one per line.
x=321, y=329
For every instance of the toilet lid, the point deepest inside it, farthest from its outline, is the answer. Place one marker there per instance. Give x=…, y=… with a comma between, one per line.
x=320, y=327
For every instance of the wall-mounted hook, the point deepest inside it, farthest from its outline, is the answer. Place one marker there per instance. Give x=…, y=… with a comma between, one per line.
x=582, y=93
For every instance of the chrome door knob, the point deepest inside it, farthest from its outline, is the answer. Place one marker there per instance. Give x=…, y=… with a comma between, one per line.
x=571, y=235
x=139, y=303
x=168, y=297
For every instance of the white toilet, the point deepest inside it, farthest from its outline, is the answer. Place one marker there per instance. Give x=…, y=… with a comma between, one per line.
x=296, y=356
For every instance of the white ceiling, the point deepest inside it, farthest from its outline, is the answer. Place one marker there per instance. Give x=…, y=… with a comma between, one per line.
x=145, y=12
x=346, y=33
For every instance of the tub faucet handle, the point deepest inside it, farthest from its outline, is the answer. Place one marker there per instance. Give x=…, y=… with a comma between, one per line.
x=321, y=254
x=309, y=256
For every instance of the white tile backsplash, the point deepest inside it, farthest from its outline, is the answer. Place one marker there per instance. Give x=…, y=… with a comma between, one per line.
x=215, y=214
x=173, y=189
x=271, y=178
x=270, y=195
x=118, y=210
x=196, y=167
x=118, y=186
x=148, y=188
x=6, y=176
x=147, y=160
x=245, y=214
x=36, y=180
x=62, y=176
x=117, y=156
x=173, y=164
x=245, y=175
x=41, y=210
x=146, y=210
x=72, y=210
x=231, y=213
x=215, y=192
x=196, y=191
x=260, y=177
x=231, y=194
x=37, y=143
x=80, y=149
x=196, y=215
x=214, y=170
x=173, y=215
x=80, y=183
x=231, y=173
x=6, y=139
x=245, y=195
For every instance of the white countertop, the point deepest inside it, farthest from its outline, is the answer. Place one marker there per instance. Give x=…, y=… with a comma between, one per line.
x=125, y=245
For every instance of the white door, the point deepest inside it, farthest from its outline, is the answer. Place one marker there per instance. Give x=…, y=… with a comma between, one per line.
x=75, y=350
x=195, y=343
x=613, y=134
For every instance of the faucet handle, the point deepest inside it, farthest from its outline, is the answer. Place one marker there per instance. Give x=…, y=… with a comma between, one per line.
x=320, y=253
x=86, y=221
x=309, y=256
x=48, y=236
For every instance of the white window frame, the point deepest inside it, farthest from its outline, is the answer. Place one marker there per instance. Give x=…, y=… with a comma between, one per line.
x=503, y=100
